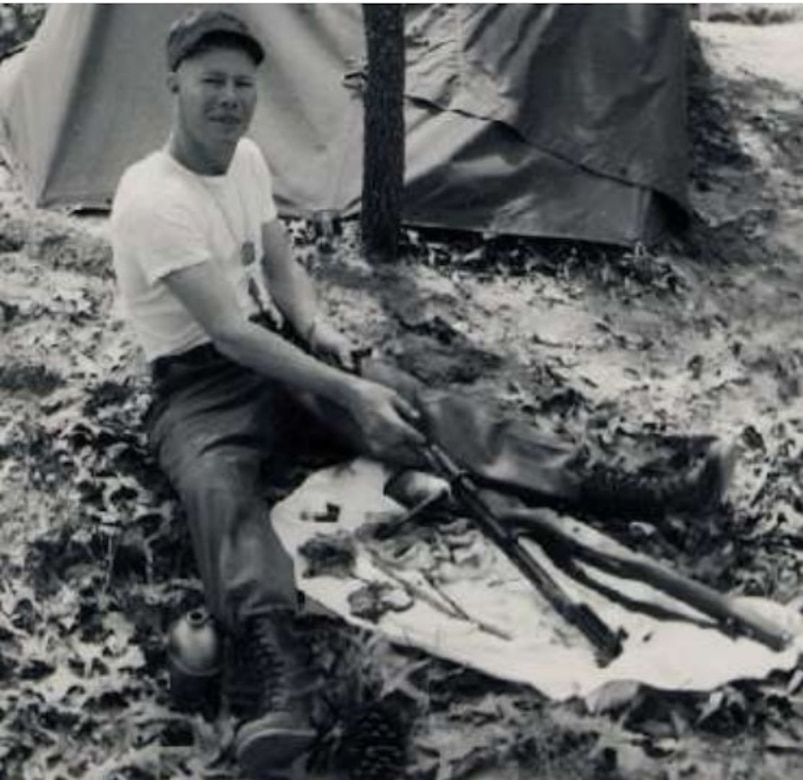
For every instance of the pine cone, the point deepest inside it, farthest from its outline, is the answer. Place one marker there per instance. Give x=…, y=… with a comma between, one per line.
x=374, y=744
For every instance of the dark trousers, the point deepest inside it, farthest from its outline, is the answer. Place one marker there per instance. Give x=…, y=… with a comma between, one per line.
x=215, y=426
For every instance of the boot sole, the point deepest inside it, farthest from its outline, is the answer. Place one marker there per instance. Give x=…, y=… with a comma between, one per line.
x=270, y=748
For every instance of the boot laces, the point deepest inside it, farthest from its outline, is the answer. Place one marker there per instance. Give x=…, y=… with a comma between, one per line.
x=270, y=664
x=649, y=490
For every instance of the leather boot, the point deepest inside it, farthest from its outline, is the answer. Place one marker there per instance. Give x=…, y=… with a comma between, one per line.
x=609, y=492
x=279, y=730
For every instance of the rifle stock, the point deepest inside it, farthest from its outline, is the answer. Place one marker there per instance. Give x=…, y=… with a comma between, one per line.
x=608, y=555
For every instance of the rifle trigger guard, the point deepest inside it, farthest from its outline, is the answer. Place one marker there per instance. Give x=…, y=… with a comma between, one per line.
x=459, y=476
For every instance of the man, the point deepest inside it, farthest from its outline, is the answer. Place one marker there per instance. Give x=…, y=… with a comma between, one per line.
x=197, y=247
x=202, y=263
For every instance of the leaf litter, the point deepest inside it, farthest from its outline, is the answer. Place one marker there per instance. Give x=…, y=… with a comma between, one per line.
x=624, y=351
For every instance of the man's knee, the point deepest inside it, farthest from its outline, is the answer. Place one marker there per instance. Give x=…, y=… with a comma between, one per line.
x=230, y=472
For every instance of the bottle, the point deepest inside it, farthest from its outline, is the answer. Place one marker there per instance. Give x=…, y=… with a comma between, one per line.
x=195, y=663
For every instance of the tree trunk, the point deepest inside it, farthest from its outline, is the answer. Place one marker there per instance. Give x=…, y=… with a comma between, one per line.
x=383, y=170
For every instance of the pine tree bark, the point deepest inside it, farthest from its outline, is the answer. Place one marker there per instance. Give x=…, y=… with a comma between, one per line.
x=383, y=167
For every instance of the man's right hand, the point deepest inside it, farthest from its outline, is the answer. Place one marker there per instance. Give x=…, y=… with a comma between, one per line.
x=386, y=421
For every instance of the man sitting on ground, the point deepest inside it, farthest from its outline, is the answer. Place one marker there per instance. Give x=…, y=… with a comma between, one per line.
x=201, y=262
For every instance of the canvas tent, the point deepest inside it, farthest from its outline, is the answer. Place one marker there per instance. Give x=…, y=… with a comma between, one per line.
x=551, y=120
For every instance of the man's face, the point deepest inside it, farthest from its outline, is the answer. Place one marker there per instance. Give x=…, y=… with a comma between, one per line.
x=216, y=94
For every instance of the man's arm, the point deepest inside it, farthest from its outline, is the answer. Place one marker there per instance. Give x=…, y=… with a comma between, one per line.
x=380, y=413
x=206, y=293
x=289, y=284
x=293, y=292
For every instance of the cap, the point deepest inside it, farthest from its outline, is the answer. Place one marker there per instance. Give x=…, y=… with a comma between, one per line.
x=187, y=34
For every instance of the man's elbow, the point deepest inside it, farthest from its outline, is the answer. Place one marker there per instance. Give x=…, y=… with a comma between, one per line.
x=230, y=337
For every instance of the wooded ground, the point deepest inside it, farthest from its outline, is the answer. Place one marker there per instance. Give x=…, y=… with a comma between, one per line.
x=614, y=348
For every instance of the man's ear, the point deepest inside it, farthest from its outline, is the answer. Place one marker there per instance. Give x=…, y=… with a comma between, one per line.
x=172, y=81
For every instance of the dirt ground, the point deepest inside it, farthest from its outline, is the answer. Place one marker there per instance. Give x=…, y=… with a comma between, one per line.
x=619, y=349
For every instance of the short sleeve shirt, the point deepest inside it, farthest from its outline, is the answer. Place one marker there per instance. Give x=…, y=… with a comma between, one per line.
x=166, y=217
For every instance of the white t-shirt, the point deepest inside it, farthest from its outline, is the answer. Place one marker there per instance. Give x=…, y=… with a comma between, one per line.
x=165, y=217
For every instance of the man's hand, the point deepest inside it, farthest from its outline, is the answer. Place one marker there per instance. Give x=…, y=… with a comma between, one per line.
x=386, y=422
x=329, y=344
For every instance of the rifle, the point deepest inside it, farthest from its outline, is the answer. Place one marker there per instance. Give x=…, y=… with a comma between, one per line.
x=565, y=540
x=607, y=643
x=579, y=541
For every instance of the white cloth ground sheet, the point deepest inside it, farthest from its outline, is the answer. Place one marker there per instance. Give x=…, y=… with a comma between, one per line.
x=542, y=651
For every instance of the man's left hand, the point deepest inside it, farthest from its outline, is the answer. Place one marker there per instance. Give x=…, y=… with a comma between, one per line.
x=331, y=345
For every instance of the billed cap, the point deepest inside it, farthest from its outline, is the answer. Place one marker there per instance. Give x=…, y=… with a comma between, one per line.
x=189, y=32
